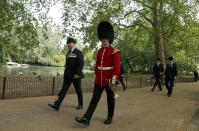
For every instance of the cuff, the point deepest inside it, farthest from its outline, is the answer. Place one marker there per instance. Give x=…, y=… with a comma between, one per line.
x=114, y=79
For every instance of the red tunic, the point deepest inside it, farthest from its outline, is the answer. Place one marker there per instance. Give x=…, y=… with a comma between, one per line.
x=107, y=66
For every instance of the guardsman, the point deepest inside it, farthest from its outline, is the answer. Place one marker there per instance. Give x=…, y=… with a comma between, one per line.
x=107, y=71
x=72, y=74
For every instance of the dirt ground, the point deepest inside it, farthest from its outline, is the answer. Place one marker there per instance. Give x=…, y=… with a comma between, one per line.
x=136, y=109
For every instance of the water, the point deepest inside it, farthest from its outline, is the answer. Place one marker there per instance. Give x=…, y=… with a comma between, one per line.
x=36, y=70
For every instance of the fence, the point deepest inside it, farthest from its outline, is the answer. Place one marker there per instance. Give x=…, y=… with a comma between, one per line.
x=23, y=86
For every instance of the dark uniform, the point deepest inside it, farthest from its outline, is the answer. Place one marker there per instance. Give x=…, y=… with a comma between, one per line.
x=107, y=69
x=170, y=74
x=121, y=76
x=195, y=75
x=157, y=72
x=74, y=66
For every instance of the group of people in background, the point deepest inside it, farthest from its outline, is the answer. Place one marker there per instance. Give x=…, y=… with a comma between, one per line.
x=170, y=75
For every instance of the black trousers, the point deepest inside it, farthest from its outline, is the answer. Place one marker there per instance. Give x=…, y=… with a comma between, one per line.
x=65, y=86
x=157, y=82
x=122, y=82
x=95, y=99
x=169, y=84
x=195, y=78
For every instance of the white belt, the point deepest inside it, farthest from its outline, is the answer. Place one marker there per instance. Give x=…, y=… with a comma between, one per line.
x=104, y=68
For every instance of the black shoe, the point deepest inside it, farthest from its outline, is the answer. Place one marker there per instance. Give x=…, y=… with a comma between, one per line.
x=124, y=88
x=56, y=107
x=82, y=120
x=108, y=120
x=152, y=89
x=169, y=95
x=79, y=107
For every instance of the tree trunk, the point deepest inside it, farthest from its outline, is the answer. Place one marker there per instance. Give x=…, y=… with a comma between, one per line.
x=2, y=2
x=157, y=27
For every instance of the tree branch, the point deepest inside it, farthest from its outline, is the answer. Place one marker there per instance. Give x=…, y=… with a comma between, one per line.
x=141, y=14
x=133, y=25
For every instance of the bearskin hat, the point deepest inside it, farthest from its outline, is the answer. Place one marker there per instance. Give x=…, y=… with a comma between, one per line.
x=105, y=31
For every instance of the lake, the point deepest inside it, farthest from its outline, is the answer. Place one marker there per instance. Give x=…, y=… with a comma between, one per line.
x=38, y=70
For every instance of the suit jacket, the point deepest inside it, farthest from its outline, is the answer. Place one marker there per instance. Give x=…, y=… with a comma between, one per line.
x=74, y=64
x=171, y=71
x=157, y=69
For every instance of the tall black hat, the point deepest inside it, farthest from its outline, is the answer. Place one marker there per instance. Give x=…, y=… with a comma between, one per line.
x=105, y=31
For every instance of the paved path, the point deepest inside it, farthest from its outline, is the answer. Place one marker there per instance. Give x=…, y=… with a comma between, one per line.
x=136, y=110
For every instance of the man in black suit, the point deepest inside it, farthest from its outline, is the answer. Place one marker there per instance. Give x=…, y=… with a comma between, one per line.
x=121, y=76
x=195, y=75
x=72, y=74
x=157, y=72
x=170, y=75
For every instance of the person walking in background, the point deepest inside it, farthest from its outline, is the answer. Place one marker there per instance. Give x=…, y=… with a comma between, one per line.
x=72, y=74
x=107, y=71
x=157, y=72
x=170, y=75
x=195, y=75
x=121, y=76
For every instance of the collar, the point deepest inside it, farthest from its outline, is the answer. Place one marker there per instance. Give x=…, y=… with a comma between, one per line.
x=72, y=49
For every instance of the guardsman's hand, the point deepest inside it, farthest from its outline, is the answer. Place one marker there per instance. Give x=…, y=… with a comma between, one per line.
x=76, y=77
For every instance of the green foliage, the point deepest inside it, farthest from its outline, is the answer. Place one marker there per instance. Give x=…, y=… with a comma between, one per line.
x=26, y=34
x=138, y=27
x=60, y=59
x=18, y=27
x=48, y=51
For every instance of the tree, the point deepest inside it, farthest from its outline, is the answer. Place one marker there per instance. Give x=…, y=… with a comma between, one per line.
x=18, y=26
x=162, y=20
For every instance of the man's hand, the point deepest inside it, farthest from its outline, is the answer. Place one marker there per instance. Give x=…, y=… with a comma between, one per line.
x=175, y=78
x=111, y=85
x=76, y=77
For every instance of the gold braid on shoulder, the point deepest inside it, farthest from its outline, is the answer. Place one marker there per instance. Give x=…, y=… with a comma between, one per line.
x=115, y=51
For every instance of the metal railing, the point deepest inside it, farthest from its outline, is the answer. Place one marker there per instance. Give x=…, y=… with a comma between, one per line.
x=24, y=86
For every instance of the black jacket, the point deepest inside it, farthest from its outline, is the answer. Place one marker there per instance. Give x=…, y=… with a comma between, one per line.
x=171, y=71
x=121, y=70
x=195, y=74
x=74, y=64
x=157, y=69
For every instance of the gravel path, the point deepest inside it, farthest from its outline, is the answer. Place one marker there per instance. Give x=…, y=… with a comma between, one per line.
x=136, y=109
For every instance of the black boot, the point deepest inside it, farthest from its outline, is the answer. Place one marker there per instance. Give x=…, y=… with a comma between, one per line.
x=56, y=107
x=108, y=120
x=79, y=107
x=82, y=120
